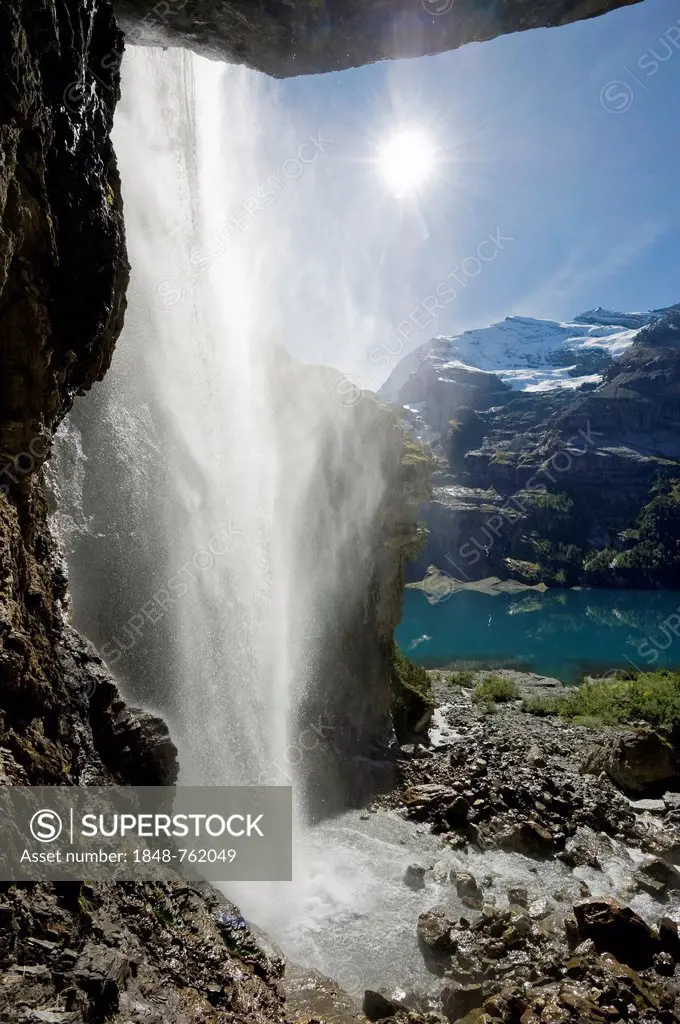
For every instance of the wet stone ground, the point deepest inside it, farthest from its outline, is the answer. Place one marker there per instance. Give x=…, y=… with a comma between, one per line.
x=589, y=933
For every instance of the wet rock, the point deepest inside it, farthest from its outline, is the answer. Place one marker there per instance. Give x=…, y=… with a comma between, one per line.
x=518, y=896
x=377, y=1006
x=618, y=930
x=420, y=800
x=664, y=964
x=580, y=852
x=456, y=813
x=657, y=878
x=414, y=876
x=648, y=806
x=458, y=1000
x=529, y=838
x=467, y=888
x=668, y=936
x=435, y=937
x=540, y=908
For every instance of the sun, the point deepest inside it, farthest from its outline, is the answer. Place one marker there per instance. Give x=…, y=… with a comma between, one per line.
x=406, y=160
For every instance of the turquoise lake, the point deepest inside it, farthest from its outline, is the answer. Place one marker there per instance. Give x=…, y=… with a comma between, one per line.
x=561, y=633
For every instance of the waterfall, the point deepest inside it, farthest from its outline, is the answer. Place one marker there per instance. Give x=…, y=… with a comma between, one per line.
x=227, y=502
x=222, y=511
x=191, y=346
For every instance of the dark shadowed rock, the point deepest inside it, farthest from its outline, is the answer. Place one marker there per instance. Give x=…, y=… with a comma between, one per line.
x=657, y=878
x=377, y=1006
x=518, y=896
x=639, y=762
x=668, y=936
x=458, y=1000
x=618, y=930
x=529, y=838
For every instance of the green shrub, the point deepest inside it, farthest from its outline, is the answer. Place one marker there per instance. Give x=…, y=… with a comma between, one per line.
x=496, y=689
x=651, y=697
x=464, y=677
x=539, y=706
x=411, y=694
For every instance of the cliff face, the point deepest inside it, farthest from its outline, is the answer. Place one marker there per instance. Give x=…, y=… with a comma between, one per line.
x=63, y=270
x=301, y=37
x=599, y=450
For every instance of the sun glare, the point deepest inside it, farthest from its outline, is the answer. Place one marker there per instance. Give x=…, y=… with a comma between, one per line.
x=406, y=160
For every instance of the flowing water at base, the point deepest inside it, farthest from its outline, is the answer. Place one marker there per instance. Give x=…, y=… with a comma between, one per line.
x=350, y=915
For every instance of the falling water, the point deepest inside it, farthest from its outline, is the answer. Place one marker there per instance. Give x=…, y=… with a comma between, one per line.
x=227, y=517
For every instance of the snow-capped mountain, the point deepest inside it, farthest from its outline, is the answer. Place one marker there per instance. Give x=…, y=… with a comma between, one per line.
x=526, y=353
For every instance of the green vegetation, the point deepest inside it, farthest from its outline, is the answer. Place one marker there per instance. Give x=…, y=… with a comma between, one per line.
x=496, y=689
x=656, y=554
x=411, y=695
x=650, y=697
x=462, y=678
x=553, y=502
x=503, y=457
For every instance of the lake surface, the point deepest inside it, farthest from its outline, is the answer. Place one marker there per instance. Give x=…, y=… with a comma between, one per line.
x=561, y=633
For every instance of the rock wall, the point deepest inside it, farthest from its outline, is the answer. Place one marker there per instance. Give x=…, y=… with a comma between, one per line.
x=300, y=37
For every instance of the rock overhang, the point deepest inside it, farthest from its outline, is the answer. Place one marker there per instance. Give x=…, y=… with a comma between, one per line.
x=300, y=37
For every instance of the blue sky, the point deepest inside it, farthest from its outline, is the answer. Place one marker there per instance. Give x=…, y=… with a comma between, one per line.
x=567, y=140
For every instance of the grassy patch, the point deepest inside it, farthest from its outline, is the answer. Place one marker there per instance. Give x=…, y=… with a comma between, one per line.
x=651, y=697
x=496, y=690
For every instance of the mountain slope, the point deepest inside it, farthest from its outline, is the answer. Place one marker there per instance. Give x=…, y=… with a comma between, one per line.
x=527, y=353
x=565, y=479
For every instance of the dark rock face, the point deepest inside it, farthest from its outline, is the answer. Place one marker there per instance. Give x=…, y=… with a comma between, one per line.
x=73, y=954
x=300, y=37
x=63, y=268
x=62, y=718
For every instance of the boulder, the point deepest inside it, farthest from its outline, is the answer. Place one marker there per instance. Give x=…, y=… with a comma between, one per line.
x=668, y=937
x=529, y=838
x=618, y=930
x=640, y=763
x=467, y=888
x=657, y=878
x=435, y=938
x=456, y=813
x=581, y=852
x=376, y=1006
x=419, y=800
x=414, y=876
x=458, y=1000
x=518, y=896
